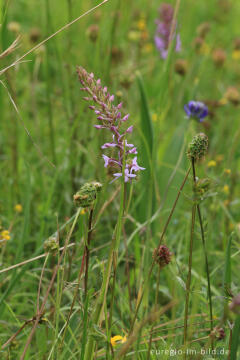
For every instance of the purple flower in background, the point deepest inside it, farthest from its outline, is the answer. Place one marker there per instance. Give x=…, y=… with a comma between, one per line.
x=163, y=31
x=111, y=119
x=196, y=110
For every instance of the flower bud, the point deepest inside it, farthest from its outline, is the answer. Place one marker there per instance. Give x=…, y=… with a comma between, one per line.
x=51, y=244
x=86, y=196
x=203, y=29
x=232, y=95
x=198, y=147
x=162, y=256
x=219, y=57
x=218, y=333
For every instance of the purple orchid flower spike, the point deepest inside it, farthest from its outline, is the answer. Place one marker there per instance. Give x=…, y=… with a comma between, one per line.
x=163, y=36
x=111, y=119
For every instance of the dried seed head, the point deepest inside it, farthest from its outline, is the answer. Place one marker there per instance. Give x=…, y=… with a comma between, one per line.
x=86, y=196
x=198, y=147
x=181, y=66
x=237, y=44
x=203, y=29
x=35, y=34
x=232, y=95
x=93, y=32
x=162, y=255
x=219, y=57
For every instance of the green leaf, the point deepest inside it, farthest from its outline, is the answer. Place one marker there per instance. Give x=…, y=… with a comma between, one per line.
x=146, y=122
x=227, y=267
x=235, y=339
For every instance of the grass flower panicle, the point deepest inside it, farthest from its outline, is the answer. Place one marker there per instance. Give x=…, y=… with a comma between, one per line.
x=196, y=110
x=163, y=31
x=111, y=119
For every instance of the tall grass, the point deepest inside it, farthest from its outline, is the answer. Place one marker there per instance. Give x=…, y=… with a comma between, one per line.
x=103, y=293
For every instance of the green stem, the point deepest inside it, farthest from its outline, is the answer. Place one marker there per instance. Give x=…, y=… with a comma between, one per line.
x=160, y=242
x=207, y=269
x=87, y=252
x=103, y=292
x=156, y=302
x=86, y=260
x=188, y=283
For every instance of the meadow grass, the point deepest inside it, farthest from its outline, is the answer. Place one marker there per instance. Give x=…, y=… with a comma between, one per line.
x=149, y=268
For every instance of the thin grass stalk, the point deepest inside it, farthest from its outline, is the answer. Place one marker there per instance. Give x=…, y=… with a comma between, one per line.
x=38, y=316
x=188, y=283
x=85, y=261
x=140, y=296
x=156, y=302
x=103, y=292
x=48, y=90
x=87, y=251
x=207, y=270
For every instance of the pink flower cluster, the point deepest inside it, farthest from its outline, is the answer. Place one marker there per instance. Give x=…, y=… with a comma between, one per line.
x=111, y=119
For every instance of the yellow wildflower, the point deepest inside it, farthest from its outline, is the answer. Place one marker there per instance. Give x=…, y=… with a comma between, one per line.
x=134, y=35
x=226, y=189
x=236, y=55
x=5, y=235
x=18, y=208
x=227, y=171
x=83, y=212
x=154, y=117
x=223, y=101
x=141, y=24
x=212, y=163
x=118, y=339
x=148, y=48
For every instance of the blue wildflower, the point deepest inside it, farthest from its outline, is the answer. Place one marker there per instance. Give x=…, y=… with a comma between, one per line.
x=196, y=110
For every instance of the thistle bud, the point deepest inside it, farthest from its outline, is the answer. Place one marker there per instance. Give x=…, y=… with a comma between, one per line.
x=198, y=147
x=162, y=256
x=51, y=244
x=86, y=196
